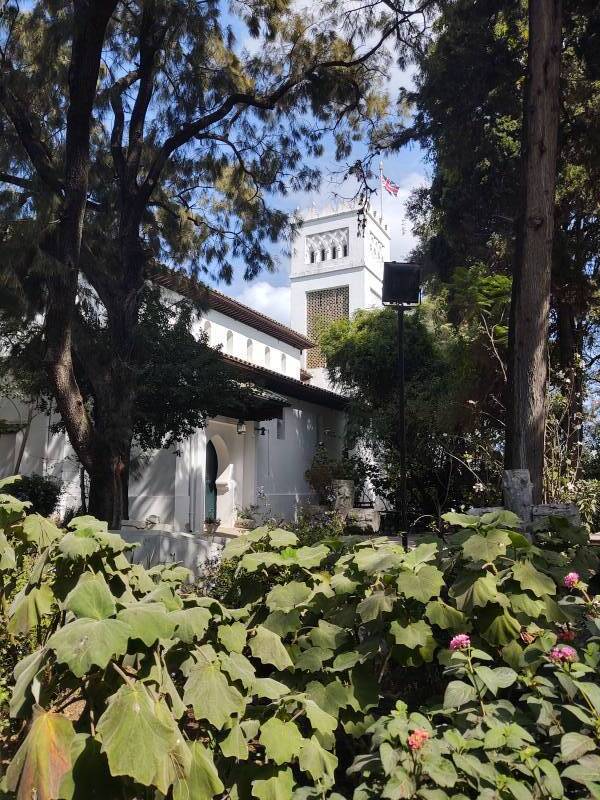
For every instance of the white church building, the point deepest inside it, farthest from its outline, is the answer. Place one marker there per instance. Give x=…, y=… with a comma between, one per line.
x=336, y=268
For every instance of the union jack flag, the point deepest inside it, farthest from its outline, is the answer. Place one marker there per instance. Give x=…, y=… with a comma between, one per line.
x=389, y=185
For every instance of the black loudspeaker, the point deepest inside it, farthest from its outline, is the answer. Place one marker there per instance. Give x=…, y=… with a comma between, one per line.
x=401, y=284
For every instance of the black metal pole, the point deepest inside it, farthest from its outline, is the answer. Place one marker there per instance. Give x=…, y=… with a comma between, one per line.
x=402, y=427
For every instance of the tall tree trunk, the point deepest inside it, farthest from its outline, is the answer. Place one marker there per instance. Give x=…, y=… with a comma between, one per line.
x=528, y=357
x=90, y=21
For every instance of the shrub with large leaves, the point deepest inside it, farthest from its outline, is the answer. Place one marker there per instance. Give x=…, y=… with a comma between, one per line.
x=141, y=688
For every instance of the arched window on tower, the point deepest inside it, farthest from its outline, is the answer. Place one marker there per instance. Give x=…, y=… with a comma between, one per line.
x=283, y=363
x=229, y=342
x=313, y=256
x=334, y=251
x=323, y=254
x=345, y=251
x=267, y=356
x=249, y=350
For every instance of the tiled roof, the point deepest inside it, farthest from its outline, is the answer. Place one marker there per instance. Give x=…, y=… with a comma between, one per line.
x=284, y=384
x=211, y=298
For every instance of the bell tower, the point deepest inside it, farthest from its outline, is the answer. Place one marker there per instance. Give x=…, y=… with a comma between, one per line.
x=337, y=268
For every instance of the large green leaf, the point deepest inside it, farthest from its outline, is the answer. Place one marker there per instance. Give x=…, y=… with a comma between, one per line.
x=8, y=560
x=40, y=531
x=532, y=579
x=234, y=745
x=328, y=636
x=458, y=693
x=279, y=787
x=267, y=647
x=318, y=762
x=208, y=691
x=141, y=739
x=10, y=479
x=574, y=745
x=321, y=721
x=148, y=621
x=288, y=596
x=283, y=622
x=270, y=688
x=25, y=673
x=462, y=520
x=202, y=782
x=281, y=740
x=312, y=660
x=238, y=668
x=78, y=544
x=374, y=605
x=91, y=597
x=87, y=642
x=232, y=637
x=486, y=547
x=471, y=591
x=282, y=538
x=413, y=634
x=372, y=561
x=498, y=626
x=29, y=607
x=39, y=765
x=88, y=523
x=421, y=585
x=445, y=616
x=190, y=623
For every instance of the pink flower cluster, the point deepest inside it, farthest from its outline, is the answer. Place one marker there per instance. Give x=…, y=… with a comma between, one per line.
x=571, y=580
x=563, y=655
x=417, y=739
x=460, y=642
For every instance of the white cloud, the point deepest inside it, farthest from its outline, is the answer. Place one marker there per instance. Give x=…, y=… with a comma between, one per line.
x=274, y=301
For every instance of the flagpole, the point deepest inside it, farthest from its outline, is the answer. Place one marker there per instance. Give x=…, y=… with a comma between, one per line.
x=381, y=187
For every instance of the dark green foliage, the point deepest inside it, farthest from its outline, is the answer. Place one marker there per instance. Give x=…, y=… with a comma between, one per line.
x=453, y=435
x=42, y=492
x=311, y=685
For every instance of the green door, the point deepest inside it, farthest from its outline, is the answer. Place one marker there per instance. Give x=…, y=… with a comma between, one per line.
x=210, y=486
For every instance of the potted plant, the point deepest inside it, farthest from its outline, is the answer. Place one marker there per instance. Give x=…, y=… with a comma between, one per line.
x=211, y=525
x=245, y=518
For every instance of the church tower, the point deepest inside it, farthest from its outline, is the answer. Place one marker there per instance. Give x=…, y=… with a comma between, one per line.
x=337, y=268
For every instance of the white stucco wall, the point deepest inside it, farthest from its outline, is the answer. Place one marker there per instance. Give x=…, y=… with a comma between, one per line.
x=361, y=270
x=218, y=325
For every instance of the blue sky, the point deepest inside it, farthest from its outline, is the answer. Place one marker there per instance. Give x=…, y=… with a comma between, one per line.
x=269, y=292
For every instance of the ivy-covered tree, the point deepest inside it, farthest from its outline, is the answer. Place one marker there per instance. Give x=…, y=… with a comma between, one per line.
x=144, y=132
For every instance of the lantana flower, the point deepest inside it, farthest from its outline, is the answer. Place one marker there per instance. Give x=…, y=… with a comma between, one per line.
x=417, y=739
x=563, y=655
x=571, y=580
x=460, y=642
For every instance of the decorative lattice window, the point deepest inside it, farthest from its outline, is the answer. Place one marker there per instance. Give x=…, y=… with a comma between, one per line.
x=322, y=307
x=326, y=246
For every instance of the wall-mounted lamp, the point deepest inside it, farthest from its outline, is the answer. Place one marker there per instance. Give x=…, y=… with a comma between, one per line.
x=241, y=426
x=261, y=431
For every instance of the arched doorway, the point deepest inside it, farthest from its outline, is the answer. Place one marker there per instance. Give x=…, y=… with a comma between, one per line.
x=210, y=483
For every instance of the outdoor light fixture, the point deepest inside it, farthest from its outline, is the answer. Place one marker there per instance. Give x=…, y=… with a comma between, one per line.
x=401, y=288
x=241, y=426
x=401, y=284
x=261, y=431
